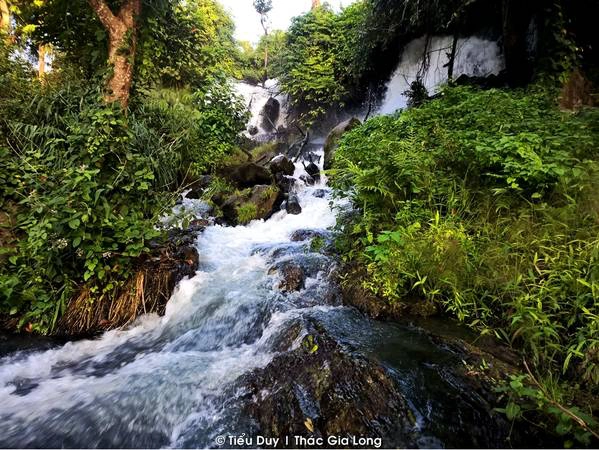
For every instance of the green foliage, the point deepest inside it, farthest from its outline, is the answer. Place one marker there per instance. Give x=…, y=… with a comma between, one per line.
x=484, y=202
x=251, y=60
x=87, y=203
x=319, y=67
x=180, y=43
x=190, y=45
x=83, y=184
x=246, y=213
x=191, y=132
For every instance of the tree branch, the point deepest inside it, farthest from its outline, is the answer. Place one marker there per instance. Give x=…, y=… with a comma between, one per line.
x=104, y=13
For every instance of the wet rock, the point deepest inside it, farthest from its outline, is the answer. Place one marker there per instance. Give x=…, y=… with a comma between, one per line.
x=304, y=235
x=270, y=114
x=293, y=278
x=307, y=179
x=333, y=140
x=253, y=130
x=320, y=193
x=284, y=183
x=260, y=201
x=281, y=165
x=292, y=206
x=318, y=390
x=312, y=157
x=198, y=186
x=249, y=175
x=365, y=301
x=311, y=263
x=313, y=170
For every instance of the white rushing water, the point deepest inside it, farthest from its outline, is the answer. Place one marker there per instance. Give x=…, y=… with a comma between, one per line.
x=255, y=98
x=157, y=383
x=474, y=57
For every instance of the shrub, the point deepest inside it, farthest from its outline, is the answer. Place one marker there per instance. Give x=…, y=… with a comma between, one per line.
x=85, y=185
x=484, y=202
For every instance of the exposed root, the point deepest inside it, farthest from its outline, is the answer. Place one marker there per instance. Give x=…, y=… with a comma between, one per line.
x=147, y=291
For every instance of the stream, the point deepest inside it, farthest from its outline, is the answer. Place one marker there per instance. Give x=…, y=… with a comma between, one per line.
x=170, y=381
x=181, y=380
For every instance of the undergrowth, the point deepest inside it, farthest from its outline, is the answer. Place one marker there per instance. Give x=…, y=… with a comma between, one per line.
x=485, y=203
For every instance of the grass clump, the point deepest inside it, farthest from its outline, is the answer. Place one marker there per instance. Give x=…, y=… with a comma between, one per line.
x=484, y=202
x=246, y=213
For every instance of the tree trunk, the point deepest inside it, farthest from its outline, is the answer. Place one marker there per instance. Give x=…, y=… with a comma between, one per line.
x=517, y=16
x=122, y=43
x=4, y=16
x=265, y=28
x=451, y=64
x=41, y=56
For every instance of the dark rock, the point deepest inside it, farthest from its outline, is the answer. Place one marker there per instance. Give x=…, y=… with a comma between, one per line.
x=304, y=235
x=284, y=183
x=317, y=390
x=193, y=195
x=312, y=157
x=293, y=206
x=270, y=114
x=253, y=130
x=281, y=164
x=313, y=170
x=263, y=197
x=198, y=186
x=333, y=140
x=249, y=175
x=293, y=278
x=307, y=179
x=311, y=263
x=365, y=301
x=320, y=193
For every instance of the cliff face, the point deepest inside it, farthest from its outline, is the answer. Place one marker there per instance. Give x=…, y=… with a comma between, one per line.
x=528, y=33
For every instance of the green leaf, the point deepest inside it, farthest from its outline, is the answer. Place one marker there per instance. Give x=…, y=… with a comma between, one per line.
x=512, y=411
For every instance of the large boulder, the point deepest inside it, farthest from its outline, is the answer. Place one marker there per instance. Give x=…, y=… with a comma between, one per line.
x=318, y=390
x=249, y=175
x=281, y=164
x=292, y=278
x=313, y=170
x=332, y=141
x=270, y=114
x=284, y=183
x=257, y=203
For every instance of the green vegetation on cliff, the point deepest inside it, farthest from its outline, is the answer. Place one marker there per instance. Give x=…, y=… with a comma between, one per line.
x=484, y=203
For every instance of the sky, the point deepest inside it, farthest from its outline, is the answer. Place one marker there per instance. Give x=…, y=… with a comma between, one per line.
x=247, y=20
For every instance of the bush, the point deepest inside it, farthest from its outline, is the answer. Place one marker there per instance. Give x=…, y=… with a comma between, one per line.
x=484, y=202
x=321, y=67
x=84, y=185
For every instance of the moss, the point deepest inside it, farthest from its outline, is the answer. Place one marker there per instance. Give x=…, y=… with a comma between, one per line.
x=246, y=213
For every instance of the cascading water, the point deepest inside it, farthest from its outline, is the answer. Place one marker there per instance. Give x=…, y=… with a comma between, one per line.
x=256, y=98
x=474, y=57
x=174, y=381
x=144, y=386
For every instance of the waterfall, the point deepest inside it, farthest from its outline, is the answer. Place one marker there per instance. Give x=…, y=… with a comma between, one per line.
x=256, y=98
x=428, y=60
x=161, y=382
